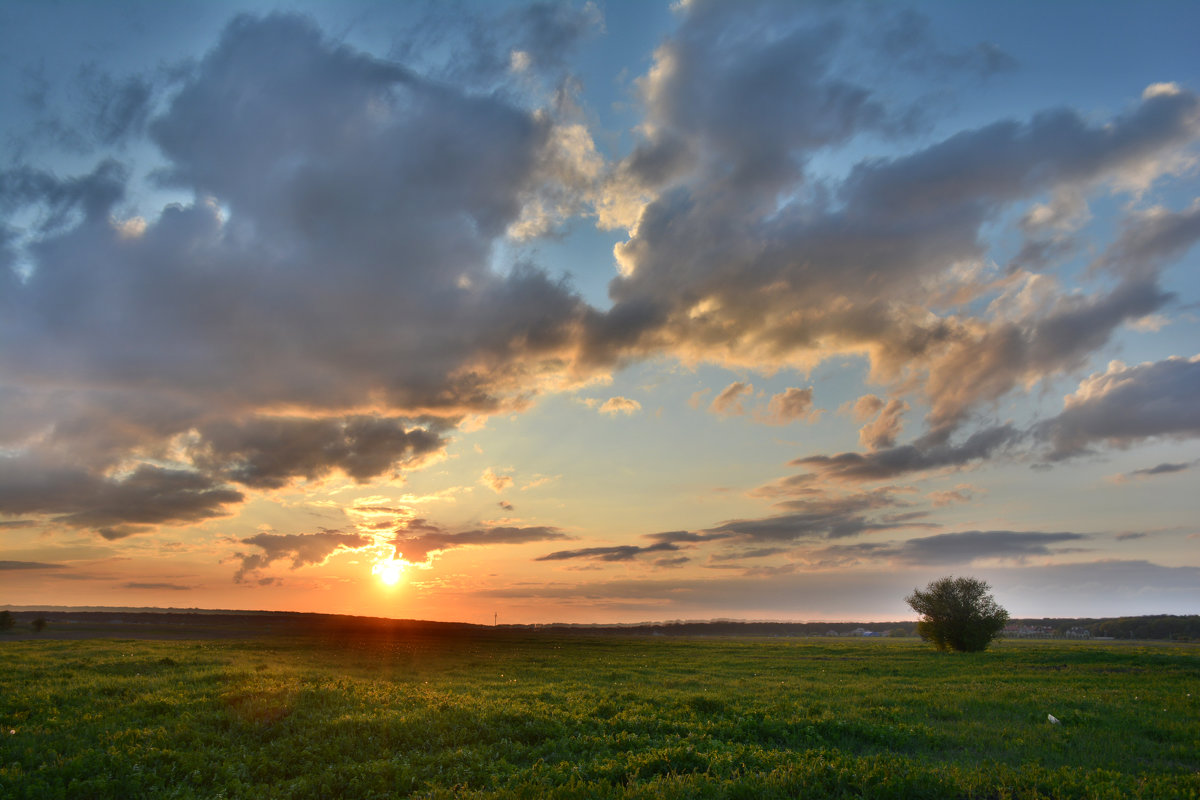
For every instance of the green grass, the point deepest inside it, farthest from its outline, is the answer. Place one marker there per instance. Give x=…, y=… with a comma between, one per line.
x=540, y=716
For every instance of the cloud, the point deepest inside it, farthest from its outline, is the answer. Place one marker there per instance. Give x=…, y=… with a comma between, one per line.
x=1091, y=589
x=1127, y=404
x=820, y=514
x=539, y=480
x=303, y=549
x=1151, y=239
x=985, y=362
x=116, y=108
x=627, y=552
x=116, y=506
x=790, y=405
x=420, y=539
x=1161, y=469
x=729, y=401
x=741, y=555
x=620, y=405
x=697, y=397
x=962, y=547
x=882, y=432
x=961, y=493
x=336, y=294
x=24, y=565
x=175, y=587
x=865, y=407
x=497, y=483
x=908, y=40
x=481, y=49
x=921, y=456
x=739, y=277
x=327, y=302
x=267, y=453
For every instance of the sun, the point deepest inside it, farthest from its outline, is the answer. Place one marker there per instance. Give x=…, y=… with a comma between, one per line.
x=389, y=571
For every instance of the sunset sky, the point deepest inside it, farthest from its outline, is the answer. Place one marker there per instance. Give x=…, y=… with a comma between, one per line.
x=599, y=312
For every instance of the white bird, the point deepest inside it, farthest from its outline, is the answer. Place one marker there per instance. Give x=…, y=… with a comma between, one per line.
x=1053, y=719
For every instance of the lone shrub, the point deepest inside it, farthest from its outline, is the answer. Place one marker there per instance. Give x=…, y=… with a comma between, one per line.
x=7, y=620
x=958, y=614
x=38, y=625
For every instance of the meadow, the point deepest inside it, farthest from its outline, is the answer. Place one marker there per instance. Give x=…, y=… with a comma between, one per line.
x=528, y=715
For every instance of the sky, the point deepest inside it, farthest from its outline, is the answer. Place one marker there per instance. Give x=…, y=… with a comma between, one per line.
x=599, y=312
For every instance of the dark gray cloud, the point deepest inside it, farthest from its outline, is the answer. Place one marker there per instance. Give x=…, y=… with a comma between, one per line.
x=24, y=565
x=741, y=555
x=679, y=536
x=1127, y=404
x=1150, y=240
x=921, y=456
x=823, y=515
x=116, y=108
x=627, y=552
x=961, y=547
x=114, y=507
x=1165, y=468
x=812, y=514
x=58, y=203
x=301, y=549
x=301, y=243
x=906, y=38
x=421, y=539
x=268, y=453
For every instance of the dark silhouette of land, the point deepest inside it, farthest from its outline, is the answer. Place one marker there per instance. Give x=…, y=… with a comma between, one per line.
x=124, y=623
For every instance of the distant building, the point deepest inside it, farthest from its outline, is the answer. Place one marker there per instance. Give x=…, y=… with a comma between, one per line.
x=1017, y=630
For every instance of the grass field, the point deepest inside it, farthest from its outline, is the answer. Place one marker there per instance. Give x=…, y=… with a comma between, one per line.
x=523, y=715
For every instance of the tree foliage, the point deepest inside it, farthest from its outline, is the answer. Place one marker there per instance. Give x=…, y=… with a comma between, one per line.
x=958, y=614
x=7, y=620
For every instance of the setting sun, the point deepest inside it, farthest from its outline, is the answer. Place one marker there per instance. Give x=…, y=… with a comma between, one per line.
x=389, y=571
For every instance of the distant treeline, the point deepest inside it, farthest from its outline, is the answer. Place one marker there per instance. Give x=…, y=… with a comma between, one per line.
x=1185, y=628
x=180, y=623
x=1161, y=627
x=741, y=628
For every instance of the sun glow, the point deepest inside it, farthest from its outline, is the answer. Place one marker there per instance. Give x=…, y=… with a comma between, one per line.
x=389, y=571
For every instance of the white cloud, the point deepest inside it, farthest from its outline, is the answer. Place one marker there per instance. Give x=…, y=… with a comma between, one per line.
x=620, y=405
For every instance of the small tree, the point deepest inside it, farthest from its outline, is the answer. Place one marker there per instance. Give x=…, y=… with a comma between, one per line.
x=7, y=620
x=958, y=614
x=38, y=625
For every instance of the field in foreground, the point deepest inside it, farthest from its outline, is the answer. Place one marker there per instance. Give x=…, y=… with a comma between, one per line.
x=524, y=715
